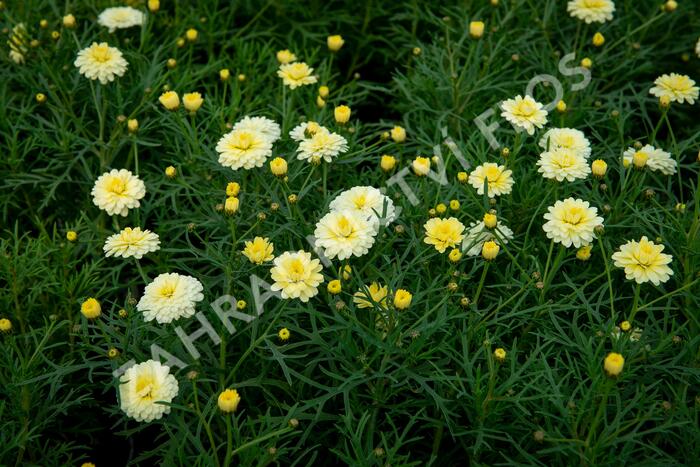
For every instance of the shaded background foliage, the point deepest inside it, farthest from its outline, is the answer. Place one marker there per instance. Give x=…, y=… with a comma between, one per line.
x=428, y=391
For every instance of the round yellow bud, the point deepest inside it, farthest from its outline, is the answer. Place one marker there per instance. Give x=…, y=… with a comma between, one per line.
x=670, y=6
x=462, y=177
x=561, y=106
x=587, y=63
x=476, y=29
x=402, y=299
x=112, y=353
x=292, y=199
x=69, y=21
x=455, y=255
x=335, y=287
x=285, y=56
x=398, y=134
x=132, y=125
x=625, y=326
x=416, y=51
x=153, y=5
x=441, y=208
x=584, y=253
x=342, y=114
x=224, y=74
x=490, y=220
x=232, y=189
x=499, y=354
x=41, y=98
x=335, y=42
x=278, y=166
x=490, y=250
x=91, y=308
x=598, y=39
x=241, y=304
x=231, y=205
x=170, y=100
x=170, y=171
x=421, y=166
x=192, y=101
x=241, y=77
x=191, y=34
x=320, y=103
x=5, y=325
x=284, y=334
x=171, y=63
x=387, y=163
x=598, y=168
x=228, y=401
x=71, y=235
x=55, y=35
x=613, y=364
x=43, y=24
x=180, y=42
x=454, y=205
x=323, y=91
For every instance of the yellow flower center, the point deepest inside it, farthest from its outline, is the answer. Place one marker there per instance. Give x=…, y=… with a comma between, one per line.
x=593, y=3
x=525, y=109
x=101, y=53
x=117, y=186
x=344, y=227
x=564, y=161
x=296, y=270
x=360, y=201
x=574, y=215
x=167, y=290
x=242, y=141
x=144, y=386
x=645, y=254
x=492, y=173
x=297, y=71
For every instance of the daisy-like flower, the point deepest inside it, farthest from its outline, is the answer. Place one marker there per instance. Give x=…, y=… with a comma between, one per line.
x=656, y=159
x=118, y=191
x=572, y=222
x=524, y=113
x=259, y=250
x=244, y=148
x=296, y=275
x=296, y=74
x=322, y=145
x=443, y=233
x=262, y=125
x=479, y=234
x=120, y=18
x=131, y=242
x=591, y=11
x=368, y=201
x=566, y=138
x=169, y=297
x=145, y=389
x=563, y=164
x=644, y=261
x=677, y=88
x=343, y=234
x=374, y=295
x=100, y=61
x=499, y=180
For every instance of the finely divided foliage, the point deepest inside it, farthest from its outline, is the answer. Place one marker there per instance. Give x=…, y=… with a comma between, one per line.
x=362, y=233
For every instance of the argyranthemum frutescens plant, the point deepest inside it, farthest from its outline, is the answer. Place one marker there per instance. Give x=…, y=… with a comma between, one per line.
x=282, y=262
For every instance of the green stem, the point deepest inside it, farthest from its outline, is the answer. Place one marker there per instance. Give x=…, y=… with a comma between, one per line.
x=207, y=428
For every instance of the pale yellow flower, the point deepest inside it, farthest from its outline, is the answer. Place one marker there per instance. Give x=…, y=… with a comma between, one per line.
x=563, y=164
x=296, y=275
x=644, y=261
x=524, y=113
x=372, y=296
x=443, y=233
x=572, y=222
x=675, y=87
x=146, y=389
x=345, y=233
x=102, y=62
x=498, y=180
x=591, y=11
x=118, y=191
x=296, y=74
x=131, y=242
x=259, y=250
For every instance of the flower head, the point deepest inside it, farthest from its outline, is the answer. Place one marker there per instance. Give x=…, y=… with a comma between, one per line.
x=100, y=61
x=120, y=18
x=170, y=100
x=345, y=233
x=335, y=42
x=91, y=308
x=144, y=388
x=296, y=275
x=479, y=233
x=443, y=233
x=524, y=113
x=285, y=56
x=259, y=250
x=563, y=164
x=228, y=400
x=118, y=191
x=244, y=148
x=367, y=201
x=169, y=297
x=398, y=134
x=371, y=296
x=296, y=74
x=678, y=88
x=192, y=101
x=572, y=222
x=566, y=138
x=323, y=144
x=402, y=299
x=654, y=158
x=500, y=354
x=267, y=127
x=489, y=250
x=644, y=261
x=131, y=242
x=476, y=29
x=498, y=180
x=591, y=11
x=421, y=166
x=613, y=364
